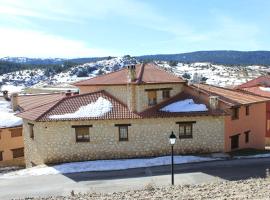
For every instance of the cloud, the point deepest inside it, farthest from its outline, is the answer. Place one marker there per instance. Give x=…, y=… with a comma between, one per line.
x=21, y=42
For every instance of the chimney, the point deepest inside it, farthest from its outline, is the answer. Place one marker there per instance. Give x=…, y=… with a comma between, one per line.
x=5, y=94
x=131, y=73
x=14, y=101
x=68, y=93
x=213, y=102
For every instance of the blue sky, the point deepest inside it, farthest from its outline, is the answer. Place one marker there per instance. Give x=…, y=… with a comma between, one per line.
x=87, y=28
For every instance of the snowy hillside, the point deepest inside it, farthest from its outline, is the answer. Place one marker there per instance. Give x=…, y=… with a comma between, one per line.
x=39, y=77
x=221, y=75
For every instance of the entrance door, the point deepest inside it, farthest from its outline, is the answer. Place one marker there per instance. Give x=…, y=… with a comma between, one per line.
x=235, y=141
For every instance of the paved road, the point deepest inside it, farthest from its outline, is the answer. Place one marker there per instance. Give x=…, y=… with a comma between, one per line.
x=113, y=181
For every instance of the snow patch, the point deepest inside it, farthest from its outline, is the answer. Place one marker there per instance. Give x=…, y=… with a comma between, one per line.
x=7, y=116
x=266, y=89
x=104, y=165
x=12, y=88
x=186, y=105
x=265, y=155
x=96, y=109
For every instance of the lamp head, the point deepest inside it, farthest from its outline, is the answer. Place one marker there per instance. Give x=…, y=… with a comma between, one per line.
x=172, y=138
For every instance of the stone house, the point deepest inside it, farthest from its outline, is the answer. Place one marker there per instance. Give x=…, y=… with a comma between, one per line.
x=131, y=113
x=11, y=133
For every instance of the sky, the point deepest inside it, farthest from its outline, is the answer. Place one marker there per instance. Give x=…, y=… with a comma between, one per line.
x=90, y=28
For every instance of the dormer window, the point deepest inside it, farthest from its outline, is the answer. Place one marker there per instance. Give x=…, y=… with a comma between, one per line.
x=165, y=94
x=152, y=98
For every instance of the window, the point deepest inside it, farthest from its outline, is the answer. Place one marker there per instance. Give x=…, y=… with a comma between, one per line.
x=247, y=110
x=31, y=130
x=17, y=132
x=165, y=94
x=268, y=125
x=235, y=113
x=185, y=129
x=123, y=131
x=235, y=141
x=17, y=153
x=82, y=134
x=247, y=136
x=1, y=155
x=152, y=98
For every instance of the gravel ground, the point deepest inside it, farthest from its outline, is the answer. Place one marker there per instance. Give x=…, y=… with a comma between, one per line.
x=246, y=189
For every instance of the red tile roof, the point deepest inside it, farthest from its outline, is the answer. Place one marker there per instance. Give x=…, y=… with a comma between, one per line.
x=145, y=74
x=73, y=103
x=230, y=96
x=257, y=91
x=261, y=80
x=119, y=110
x=156, y=113
x=27, y=102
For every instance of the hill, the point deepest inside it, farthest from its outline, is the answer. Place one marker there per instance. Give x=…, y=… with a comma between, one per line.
x=215, y=57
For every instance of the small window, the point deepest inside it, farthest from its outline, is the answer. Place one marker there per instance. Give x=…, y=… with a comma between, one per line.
x=268, y=125
x=17, y=153
x=17, y=132
x=123, y=133
x=166, y=94
x=152, y=98
x=247, y=110
x=235, y=113
x=1, y=155
x=31, y=130
x=247, y=136
x=185, y=130
x=235, y=141
x=82, y=134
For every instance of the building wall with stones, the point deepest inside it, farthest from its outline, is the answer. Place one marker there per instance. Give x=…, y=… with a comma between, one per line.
x=142, y=96
x=134, y=96
x=118, y=91
x=55, y=142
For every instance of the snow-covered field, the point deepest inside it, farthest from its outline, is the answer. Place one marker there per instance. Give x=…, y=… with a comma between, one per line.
x=104, y=165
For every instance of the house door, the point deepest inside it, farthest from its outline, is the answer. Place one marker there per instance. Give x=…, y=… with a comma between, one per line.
x=235, y=141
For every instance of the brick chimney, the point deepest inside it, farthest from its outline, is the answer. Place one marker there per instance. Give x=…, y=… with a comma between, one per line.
x=213, y=102
x=14, y=101
x=131, y=73
x=131, y=88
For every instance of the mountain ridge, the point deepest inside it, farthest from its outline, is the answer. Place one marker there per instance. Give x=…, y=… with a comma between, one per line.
x=226, y=57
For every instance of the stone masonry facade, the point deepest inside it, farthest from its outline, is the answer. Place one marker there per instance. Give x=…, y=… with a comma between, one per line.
x=54, y=142
x=137, y=96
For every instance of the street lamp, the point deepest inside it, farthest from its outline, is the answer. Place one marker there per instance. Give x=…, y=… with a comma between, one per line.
x=172, y=142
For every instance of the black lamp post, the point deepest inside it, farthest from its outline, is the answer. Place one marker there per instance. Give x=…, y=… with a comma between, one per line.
x=172, y=142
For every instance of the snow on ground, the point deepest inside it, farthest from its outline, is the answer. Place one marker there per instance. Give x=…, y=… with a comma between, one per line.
x=265, y=155
x=7, y=116
x=186, y=105
x=95, y=109
x=104, y=165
